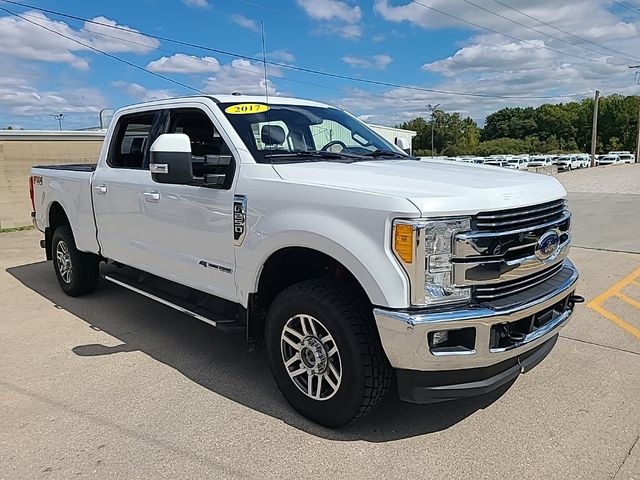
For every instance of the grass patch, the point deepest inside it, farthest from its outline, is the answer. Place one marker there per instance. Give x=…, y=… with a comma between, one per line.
x=16, y=229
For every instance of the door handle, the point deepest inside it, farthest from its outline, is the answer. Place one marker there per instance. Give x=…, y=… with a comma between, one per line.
x=151, y=196
x=101, y=189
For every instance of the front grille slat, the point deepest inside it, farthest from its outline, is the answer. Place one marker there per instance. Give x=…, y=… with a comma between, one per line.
x=491, y=229
x=547, y=214
x=519, y=217
x=515, y=286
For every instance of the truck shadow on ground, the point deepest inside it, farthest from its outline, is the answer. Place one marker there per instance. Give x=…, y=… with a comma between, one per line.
x=221, y=363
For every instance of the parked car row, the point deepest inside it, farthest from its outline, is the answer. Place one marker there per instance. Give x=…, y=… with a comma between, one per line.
x=566, y=162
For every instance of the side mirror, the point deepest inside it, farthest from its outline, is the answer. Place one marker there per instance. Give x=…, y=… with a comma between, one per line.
x=171, y=159
x=403, y=144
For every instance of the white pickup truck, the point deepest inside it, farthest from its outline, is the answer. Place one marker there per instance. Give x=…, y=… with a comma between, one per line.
x=349, y=260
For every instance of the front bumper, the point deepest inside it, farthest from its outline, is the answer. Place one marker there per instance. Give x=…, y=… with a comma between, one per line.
x=431, y=387
x=405, y=334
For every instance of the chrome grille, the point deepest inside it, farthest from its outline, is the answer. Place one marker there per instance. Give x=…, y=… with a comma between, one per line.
x=500, y=290
x=518, y=218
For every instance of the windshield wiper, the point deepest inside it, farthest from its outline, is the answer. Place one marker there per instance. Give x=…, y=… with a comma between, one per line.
x=314, y=154
x=388, y=153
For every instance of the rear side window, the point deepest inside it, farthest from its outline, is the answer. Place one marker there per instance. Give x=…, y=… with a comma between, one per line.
x=130, y=141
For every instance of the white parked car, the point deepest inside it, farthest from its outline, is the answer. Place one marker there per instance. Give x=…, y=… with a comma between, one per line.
x=350, y=261
x=497, y=163
x=517, y=163
x=568, y=162
x=608, y=160
x=584, y=160
x=540, y=161
x=625, y=157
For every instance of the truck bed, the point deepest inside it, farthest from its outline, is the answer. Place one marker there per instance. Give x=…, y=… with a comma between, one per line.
x=73, y=167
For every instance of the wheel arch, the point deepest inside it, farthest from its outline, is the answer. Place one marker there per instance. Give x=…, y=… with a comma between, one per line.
x=56, y=216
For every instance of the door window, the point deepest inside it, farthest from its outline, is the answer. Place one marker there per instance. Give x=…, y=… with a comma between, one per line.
x=130, y=143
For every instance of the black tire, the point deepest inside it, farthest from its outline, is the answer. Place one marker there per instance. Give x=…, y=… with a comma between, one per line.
x=82, y=276
x=365, y=370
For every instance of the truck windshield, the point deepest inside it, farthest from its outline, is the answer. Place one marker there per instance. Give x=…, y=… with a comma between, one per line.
x=299, y=133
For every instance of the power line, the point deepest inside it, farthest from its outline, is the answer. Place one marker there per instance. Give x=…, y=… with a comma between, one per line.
x=604, y=47
x=278, y=64
x=537, y=45
x=627, y=6
x=114, y=57
x=491, y=12
x=172, y=52
x=363, y=37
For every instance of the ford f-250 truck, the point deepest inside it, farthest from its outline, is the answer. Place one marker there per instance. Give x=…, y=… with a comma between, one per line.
x=348, y=259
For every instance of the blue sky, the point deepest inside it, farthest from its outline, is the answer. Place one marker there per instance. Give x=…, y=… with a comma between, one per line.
x=507, y=48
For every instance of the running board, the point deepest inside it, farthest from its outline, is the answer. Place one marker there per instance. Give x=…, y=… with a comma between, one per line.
x=193, y=310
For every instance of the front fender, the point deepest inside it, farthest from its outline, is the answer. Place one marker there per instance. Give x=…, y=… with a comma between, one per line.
x=364, y=250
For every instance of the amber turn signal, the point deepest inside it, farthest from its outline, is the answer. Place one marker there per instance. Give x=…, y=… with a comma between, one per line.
x=403, y=242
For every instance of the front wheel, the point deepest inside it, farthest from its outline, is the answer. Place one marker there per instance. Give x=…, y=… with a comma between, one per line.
x=325, y=353
x=77, y=271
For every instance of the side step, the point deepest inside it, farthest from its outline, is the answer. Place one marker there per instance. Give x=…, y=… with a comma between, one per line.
x=191, y=309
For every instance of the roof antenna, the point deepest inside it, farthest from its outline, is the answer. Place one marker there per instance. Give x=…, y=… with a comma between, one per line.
x=264, y=63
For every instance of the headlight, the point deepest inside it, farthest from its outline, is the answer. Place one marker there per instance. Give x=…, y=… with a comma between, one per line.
x=424, y=248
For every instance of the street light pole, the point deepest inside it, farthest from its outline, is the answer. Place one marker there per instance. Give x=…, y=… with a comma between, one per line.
x=594, y=129
x=59, y=117
x=433, y=109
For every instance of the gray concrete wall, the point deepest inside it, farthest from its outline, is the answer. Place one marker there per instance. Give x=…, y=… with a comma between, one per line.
x=19, y=151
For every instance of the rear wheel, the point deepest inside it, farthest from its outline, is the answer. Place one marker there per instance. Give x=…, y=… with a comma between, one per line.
x=325, y=353
x=77, y=272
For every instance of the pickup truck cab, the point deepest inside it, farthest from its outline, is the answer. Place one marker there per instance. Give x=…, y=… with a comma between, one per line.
x=350, y=261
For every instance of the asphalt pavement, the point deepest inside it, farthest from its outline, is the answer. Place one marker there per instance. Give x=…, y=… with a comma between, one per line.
x=113, y=385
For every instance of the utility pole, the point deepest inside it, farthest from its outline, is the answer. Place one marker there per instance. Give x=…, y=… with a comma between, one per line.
x=433, y=110
x=59, y=117
x=638, y=137
x=594, y=129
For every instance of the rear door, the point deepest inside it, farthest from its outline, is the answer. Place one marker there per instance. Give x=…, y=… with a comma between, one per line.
x=119, y=188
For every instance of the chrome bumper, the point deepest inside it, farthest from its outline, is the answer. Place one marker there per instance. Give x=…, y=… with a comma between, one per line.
x=404, y=335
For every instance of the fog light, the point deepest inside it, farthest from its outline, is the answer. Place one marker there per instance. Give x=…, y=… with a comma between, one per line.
x=439, y=337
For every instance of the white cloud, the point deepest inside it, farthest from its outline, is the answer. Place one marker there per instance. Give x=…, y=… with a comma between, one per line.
x=25, y=103
x=379, y=62
x=21, y=39
x=245, y=22
x=282, y=56
x=331, y=10
x=336, y=16
x=242, y=76
x=187, y=64
x=197, y=3
x=141, y=93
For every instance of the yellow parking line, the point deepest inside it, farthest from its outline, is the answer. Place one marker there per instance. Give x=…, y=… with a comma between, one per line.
x=615, y=290
x=629, y=300
x=617, y=320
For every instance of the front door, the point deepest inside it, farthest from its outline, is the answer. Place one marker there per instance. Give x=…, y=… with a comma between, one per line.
x=191, y=227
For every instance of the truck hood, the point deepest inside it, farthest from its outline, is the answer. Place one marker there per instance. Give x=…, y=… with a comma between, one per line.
x=434, y=187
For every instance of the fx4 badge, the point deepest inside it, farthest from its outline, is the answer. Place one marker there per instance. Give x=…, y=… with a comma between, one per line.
x=239, y=219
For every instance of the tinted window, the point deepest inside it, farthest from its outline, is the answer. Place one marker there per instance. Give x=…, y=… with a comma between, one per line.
x=130, y=141
x=205, y=139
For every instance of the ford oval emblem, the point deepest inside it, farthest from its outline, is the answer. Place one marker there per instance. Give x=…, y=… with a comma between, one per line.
x=547, y=245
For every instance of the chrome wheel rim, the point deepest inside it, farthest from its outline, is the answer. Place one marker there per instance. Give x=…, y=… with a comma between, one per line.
x=64, y=261
x=311, y=357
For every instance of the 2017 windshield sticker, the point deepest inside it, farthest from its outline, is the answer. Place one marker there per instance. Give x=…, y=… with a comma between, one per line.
x=246, y=108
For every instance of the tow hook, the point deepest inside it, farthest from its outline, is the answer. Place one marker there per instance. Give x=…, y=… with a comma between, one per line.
x=573, y=299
